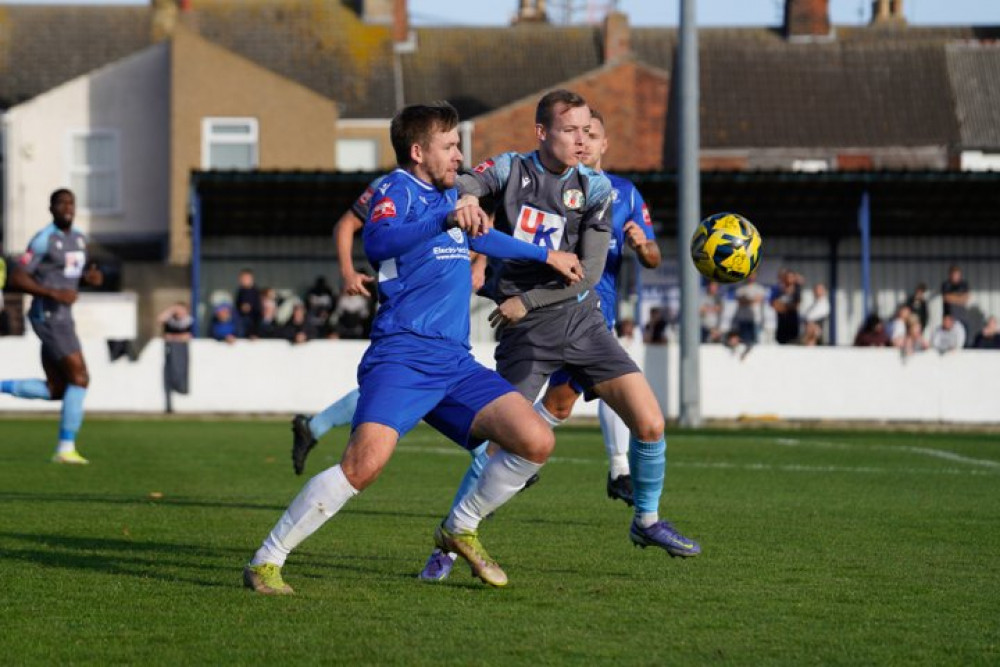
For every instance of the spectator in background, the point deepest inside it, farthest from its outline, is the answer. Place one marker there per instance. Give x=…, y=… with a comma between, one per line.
x=352, y=315
x=955, y=295
x=176, y=323
x=223, y=326
x=818, y=312
x=268, y=327
x=248, y=306
x=989, y=337
x=949, y=335
x=298, y=328
x=915, y=341
x=899, y=326
x=785, y=299
x=749, y=312
x=178, y=328
x=320, y=302
x=872, y=333
x=918, y=303
x=710, y=313
x=656, y=327
x=812, y=335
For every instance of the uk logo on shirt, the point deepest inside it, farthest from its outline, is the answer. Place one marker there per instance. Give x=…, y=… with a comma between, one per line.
x=384, y=209
x=540, y=227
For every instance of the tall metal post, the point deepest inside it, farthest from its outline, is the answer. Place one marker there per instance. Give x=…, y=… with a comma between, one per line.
x=194, y=201
x=865, y=227
x=688, y=215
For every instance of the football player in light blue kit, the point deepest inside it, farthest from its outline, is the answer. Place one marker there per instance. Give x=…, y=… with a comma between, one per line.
x=630, y=225
x=51, y=271
x=419, y=364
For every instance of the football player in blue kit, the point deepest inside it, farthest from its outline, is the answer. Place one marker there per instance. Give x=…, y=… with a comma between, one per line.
x=51, y=271
x=632, y=226
x=306, y=430
x=419, y=364
x=547, y=197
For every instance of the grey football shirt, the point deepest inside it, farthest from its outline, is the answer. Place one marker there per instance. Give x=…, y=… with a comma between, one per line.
x=55, y=259
x=540, y=207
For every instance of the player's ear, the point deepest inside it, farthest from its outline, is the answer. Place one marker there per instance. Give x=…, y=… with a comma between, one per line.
x=540, y=132
x=416, y=154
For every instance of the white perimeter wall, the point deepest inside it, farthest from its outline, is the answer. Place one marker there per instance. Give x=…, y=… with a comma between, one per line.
x=784, y=382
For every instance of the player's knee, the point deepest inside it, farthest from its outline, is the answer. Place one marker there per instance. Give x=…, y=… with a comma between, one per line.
x=561, y=410
x=80, y=379
x=650, y=427
x=56, y=390
x=539, y=443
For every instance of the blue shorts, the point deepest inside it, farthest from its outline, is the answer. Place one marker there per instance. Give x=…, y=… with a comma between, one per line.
x=399, y=385
x=561, y=377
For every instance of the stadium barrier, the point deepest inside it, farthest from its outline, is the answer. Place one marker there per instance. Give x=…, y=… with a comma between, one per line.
x=770, y=382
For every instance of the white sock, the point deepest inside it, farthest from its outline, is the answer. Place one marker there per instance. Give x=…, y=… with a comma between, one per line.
x=647, y=519
x=319, y=499
x=502, y=478
x=616, y=437
x=544, y=413
x=65, y=447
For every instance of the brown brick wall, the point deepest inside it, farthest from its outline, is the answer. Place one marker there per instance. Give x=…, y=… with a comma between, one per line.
x=632, y=98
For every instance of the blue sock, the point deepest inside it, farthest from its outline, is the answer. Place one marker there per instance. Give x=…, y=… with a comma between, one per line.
x=72, y=412
x=26, y=389
x=648, y=461
x=479, y=459
x=337, y=414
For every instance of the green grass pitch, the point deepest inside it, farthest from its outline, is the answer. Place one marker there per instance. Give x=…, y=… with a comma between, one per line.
x=819, y=547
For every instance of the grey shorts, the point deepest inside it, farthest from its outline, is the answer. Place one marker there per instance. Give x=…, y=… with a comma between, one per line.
x=573, y=336
x=58, y=337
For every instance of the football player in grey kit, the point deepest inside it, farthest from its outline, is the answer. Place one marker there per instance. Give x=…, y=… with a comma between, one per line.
x=548, y=197
x=51, y=271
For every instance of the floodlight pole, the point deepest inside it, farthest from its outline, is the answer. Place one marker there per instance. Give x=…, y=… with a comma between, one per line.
x=688, y=214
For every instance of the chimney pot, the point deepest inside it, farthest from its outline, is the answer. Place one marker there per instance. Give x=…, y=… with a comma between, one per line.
x=616, y=37
x=807, y=19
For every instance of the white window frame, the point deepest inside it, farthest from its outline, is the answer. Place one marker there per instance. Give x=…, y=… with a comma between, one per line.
x=72, y=169
x=370, y=141
x=209, y=138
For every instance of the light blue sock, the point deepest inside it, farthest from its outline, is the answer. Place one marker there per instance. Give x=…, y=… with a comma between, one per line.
x=72, y=412
x=479, y=459
x=648, y=461
x=26, y=389
x=337, y=414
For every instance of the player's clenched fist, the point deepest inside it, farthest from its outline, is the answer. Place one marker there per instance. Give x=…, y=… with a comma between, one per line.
x=470, y=219
x=567, y=264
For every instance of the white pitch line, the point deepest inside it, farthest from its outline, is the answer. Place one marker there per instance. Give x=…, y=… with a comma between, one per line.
x=924, y=451
x=761, y=467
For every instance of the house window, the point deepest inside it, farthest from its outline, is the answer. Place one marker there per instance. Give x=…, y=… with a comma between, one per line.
x=94, y=171
x=357, y=154
x=229, y=143
x=810, y=166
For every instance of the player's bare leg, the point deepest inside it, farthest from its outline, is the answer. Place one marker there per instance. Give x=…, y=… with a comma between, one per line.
x=525, y=442
x=369, y=449
x=631, y=397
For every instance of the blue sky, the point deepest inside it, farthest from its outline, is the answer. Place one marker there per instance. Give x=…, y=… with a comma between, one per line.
x=665, y=12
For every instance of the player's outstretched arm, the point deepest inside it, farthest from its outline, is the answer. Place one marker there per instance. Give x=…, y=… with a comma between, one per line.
x=347, y=226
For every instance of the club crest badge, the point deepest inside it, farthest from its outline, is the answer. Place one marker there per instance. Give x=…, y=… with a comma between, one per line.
x=573, y=199
x=456, y=234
